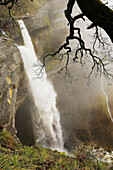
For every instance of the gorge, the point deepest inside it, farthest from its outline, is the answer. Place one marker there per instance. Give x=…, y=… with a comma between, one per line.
x=44, y=96
x=82, y=107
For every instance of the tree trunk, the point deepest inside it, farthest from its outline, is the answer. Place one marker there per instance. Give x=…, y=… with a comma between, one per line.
x=99, y=14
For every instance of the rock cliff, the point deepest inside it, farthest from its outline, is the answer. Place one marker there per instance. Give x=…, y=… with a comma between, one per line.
x=15, y=97
x=17, y=107
x=11, y=75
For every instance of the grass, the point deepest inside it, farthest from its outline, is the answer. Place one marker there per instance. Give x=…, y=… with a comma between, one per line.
x=35, y=158
x=15, y=156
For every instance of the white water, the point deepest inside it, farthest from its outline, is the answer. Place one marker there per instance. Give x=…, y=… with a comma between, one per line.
x=106, y=97
x=43, y=93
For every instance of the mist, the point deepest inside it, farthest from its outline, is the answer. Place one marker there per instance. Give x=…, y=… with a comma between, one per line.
x=80, y=100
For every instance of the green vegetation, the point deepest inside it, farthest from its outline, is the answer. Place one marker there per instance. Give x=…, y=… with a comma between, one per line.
x=47, y=21
x=13, y=156
x=52, y=65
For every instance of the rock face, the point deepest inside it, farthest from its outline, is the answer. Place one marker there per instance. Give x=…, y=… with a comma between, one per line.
x=10, y=74
x=14, y=85
x=83, y=108
x=16, y=103
x=47, y=28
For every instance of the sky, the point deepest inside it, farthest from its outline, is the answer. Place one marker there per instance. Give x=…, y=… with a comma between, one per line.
x=110, y=3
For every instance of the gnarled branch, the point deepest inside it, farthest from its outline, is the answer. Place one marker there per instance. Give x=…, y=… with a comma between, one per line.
x=101, y=16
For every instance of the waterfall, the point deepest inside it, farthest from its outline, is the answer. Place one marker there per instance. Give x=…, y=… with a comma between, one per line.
x=43, y=94
x=106, y=97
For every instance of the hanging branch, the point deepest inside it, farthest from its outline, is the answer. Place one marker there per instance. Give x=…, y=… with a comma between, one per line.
x=79, y=53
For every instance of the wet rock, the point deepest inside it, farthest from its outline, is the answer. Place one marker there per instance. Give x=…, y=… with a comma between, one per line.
x=14, y=88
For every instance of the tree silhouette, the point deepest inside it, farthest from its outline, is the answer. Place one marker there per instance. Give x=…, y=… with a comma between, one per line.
x=99, y=15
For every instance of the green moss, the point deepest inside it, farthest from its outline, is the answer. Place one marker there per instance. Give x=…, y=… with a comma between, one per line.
x=101, y=105
x=7, y=140
x=42, y=158
x=51, y=64
x=47, y=21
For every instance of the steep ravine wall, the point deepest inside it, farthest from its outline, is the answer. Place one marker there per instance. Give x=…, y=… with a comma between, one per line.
x=14, y=86
x=11, y=75
x=16, y=103
x=83, y=108
x=17, y=107
x=47, y=28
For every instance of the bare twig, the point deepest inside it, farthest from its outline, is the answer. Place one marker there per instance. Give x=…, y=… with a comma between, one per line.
x=81, y=50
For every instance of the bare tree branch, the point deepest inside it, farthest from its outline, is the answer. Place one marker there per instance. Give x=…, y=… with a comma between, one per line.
x=82, y=50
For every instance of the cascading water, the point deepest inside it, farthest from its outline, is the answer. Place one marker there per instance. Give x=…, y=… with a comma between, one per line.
x=106, y=97
x=43, y=93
